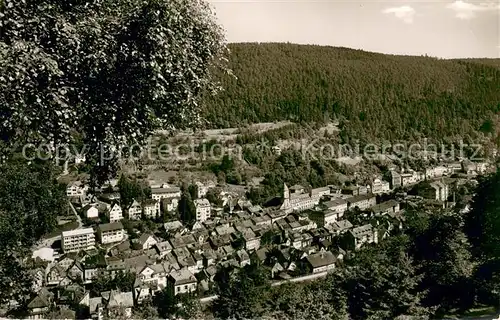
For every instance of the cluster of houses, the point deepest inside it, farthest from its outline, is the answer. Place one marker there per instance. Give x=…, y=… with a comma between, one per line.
x=307, y=233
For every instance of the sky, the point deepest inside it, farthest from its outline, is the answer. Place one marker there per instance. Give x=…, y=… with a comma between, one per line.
x=438, y=28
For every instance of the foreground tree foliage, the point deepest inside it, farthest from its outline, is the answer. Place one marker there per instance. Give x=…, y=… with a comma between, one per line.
x=242, y=294
x=382, y=283
x=30, y=201
x=443, y=255
x=104, y=71
x=95, y=75
x=482, y=228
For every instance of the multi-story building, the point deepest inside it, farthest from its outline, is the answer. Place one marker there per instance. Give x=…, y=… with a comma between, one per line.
x=134, y=210
x=362, y=202
x=437, y=172
x=164, y=192
x=411, y=177
x=357, y=237
x=434, y=191
x=394, y=179
x=111, y=232
x=76, y=240
x=202, y=209
x=115, y=213
x=150, y=208
x=379, y=186
x=181, y=281
x=296, y=199
x=204, y=187
x=76, y=188
x=387, y=207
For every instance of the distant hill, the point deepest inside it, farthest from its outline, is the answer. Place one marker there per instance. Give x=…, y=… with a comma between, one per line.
x=376, y=96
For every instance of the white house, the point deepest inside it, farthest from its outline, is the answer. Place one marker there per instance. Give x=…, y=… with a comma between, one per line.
x=164, y=192
x=111, y=232
x=204, y=187
x=76, y=188
x=115, y=213
x=134, y=210
x=379, y=186
x=170, y=204
x=90, y=211
x=150, y=208
x=202, y=209
x=321, y=261
x=147, y=241
x=181, y=281
x=437, y=172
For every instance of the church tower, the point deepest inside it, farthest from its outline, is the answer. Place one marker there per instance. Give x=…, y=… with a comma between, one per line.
x=286, y=198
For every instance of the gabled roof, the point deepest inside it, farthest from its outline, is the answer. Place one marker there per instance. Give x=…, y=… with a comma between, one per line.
x=381, y=207
x=144, y=237
x=182, y=276
x=361, y=231
x=173, y=225
x=321, y=259
x=42, y=300
x=134, y=204
x=120, y=299
x=163, y=246
x=342, y=224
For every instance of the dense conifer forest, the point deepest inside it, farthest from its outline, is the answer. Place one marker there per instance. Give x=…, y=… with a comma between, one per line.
x=375, y=96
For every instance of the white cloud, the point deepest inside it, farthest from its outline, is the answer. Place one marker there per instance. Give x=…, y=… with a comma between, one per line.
x=466, y=11
x=405, y=13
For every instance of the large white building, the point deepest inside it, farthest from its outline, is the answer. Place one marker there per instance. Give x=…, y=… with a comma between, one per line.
x=164, y=192
x=76, y=240
x=202, y=209
x=296, y=199
x=379, y=186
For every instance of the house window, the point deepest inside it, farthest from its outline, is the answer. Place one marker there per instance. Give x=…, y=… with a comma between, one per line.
x=185, y=287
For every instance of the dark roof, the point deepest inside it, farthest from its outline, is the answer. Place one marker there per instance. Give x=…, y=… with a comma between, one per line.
x=384, y=206
x=144, y=237
x=42, y=300
x=335, y=202
x=361, y=197
x=321, y=259
x=111, y=226
x=362, y=230
x=165, y=190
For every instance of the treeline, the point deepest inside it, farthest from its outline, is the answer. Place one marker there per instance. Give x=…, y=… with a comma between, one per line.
x=440, y=264
x=376, y=96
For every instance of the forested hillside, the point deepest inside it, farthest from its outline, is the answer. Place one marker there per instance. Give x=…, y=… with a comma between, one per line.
x=380, y=96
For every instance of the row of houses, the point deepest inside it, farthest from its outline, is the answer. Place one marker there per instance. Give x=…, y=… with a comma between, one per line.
x=164, y=198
